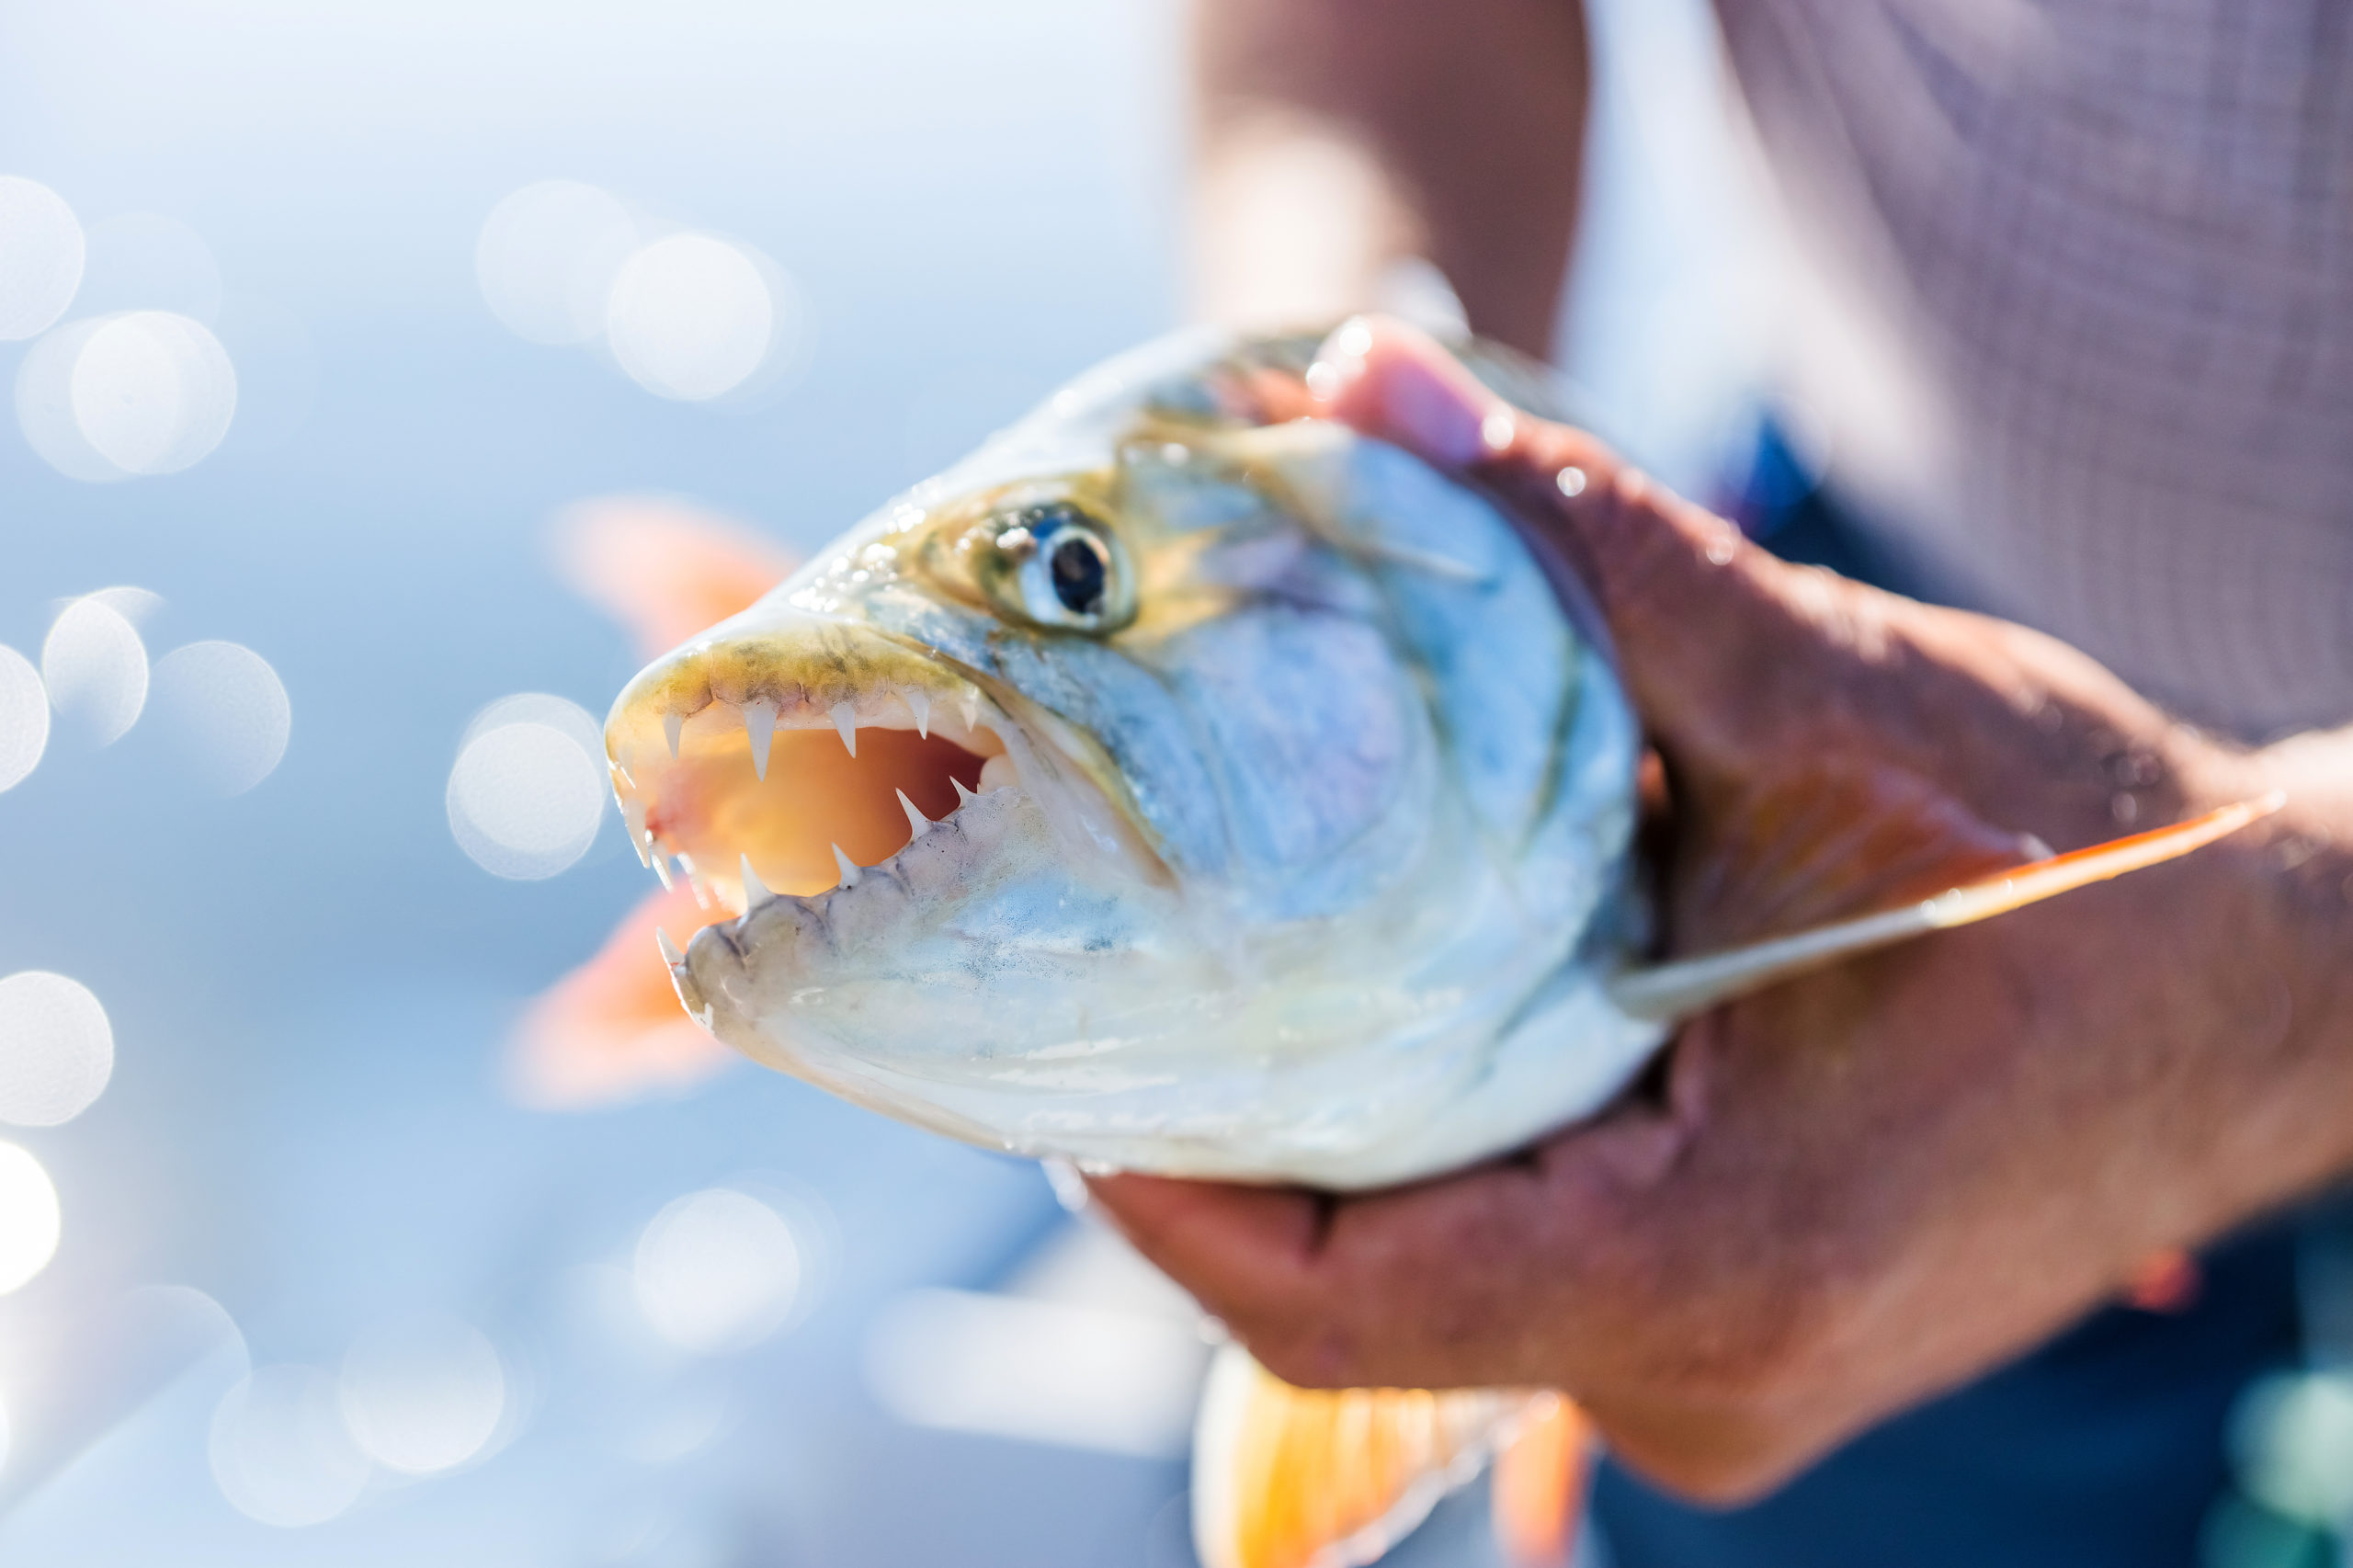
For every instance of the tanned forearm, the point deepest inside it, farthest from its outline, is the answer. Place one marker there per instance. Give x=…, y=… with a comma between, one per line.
x=1334, y=138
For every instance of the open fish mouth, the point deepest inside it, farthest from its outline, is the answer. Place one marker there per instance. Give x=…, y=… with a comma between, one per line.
x=790, y=760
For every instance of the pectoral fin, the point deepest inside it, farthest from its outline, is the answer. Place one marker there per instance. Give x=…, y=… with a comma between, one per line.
x=1691, y=985
x=1331, y=1478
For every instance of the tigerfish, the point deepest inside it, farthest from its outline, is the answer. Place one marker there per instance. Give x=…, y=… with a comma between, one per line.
x=1182, y=785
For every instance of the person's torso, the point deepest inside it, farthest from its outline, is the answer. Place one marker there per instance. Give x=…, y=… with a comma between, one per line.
x=2112, y=245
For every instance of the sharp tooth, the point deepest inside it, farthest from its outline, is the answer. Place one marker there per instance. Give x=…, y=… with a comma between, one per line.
x=920, y=704
x=759, y=722
x=661, y=864
x=916, y=819
x=671, y=724
x=963, y=795
x=848, y=868
x=634, y=818
x=670, y=953
x=755, y=891
x=971, y=703
x=845, y=721
x=694, y=880
x=622, y=783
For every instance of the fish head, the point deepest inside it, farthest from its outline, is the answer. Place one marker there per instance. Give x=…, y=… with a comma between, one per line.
x=1171, y=784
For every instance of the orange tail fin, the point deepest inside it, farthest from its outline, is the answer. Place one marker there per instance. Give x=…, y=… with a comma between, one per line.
x=1332, y=1478
x=1538, y=1492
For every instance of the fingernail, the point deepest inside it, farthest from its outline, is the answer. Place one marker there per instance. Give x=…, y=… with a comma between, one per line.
x=1436, y=417
x=1428, y=405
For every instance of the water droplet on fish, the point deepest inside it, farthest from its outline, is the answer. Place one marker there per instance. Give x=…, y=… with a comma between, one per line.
x=1571, y=480
x=2123, y=807
x=1720, y=551
x=1497, y=429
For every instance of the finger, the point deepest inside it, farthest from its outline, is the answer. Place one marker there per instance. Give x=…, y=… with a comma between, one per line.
x=1244, y=1251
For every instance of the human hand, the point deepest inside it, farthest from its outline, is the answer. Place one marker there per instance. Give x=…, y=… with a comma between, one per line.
x=1841, y=1195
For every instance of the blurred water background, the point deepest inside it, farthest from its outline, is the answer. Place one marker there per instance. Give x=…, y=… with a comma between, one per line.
x=306, y=351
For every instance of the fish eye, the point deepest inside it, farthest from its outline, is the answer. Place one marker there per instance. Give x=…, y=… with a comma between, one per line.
x=1067, y=568
x=1078, y=565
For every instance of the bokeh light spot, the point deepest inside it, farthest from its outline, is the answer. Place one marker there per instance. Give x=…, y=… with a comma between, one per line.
x=424, y=1395
x=691, y=317
x=45, y=406
x=24, y=718
x=56, y=1048
x=96, y=669
x=529, y=790
x=2292, y=1436
x=547, y=258
x=278, y=1449
x=28, y=1218
x=717, y=1270
x=226, y=711
x=42, y=256
x=153, y=392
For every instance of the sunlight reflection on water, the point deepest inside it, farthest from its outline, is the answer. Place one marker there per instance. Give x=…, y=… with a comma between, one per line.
x=422, y=1395
x=226, y=710
x=96, y=669
x=30, y=1219
x=717, y=1270
x=278, y=1449
x=42, y=256
x=527, y=791
x=24, y=718
x=56, y=1048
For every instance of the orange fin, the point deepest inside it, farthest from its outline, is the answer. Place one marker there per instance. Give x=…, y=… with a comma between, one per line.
x=1691, y=985
x=1331, y=1478
x=1536, y=1495
x=611, y=1031
x=663, y=568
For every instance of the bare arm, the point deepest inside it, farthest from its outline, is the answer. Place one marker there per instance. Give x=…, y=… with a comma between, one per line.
x=1337, y=137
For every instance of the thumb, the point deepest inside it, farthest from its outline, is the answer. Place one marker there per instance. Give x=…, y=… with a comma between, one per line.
x=1698, y=616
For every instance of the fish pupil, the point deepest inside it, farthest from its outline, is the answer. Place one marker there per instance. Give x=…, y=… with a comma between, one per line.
x=1077, y=567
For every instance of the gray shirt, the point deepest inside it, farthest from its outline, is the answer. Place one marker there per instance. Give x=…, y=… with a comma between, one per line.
x=2108, y=248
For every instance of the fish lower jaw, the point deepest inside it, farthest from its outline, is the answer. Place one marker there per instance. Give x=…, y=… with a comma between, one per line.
x=871, y=908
